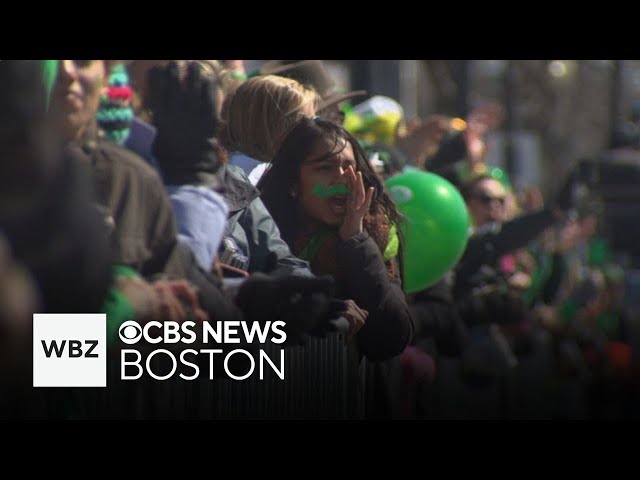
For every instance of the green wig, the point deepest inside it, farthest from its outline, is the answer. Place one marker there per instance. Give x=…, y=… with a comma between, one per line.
x=49, y=70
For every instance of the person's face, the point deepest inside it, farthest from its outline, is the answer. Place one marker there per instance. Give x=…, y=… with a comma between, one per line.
x=510, y=207
x=486, y=202
x=76, y=98
x=323, y=169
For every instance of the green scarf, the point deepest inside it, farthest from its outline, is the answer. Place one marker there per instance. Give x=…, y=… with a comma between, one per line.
x=310, y=250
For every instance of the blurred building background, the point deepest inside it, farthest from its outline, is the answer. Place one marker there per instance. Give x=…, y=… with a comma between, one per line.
x=558, y=110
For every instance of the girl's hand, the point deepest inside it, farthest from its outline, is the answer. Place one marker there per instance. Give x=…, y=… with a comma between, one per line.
x=358, y=203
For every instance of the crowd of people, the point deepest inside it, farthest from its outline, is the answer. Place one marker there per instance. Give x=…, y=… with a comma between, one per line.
x=195, y=190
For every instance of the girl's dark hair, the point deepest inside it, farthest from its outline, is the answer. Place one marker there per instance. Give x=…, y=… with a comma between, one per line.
x=284, y=173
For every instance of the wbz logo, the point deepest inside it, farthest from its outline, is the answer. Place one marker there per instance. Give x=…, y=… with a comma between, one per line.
x=74, y=350
x=69, y=350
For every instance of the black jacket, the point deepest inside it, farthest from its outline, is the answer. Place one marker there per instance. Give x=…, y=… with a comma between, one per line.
x=389, y=327
x=437, y=317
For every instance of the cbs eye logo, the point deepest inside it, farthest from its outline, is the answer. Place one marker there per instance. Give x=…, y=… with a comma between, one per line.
x=130, y=332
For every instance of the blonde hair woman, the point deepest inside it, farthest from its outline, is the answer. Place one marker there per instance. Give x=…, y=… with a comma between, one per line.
x=258, y=116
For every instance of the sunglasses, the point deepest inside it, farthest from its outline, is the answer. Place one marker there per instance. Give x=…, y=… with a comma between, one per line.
x=487, y=199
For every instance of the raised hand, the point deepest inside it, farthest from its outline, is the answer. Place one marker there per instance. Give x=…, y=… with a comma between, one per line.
x=423, y=138
x=358, y=203
x=184, y=104
x=355, y=315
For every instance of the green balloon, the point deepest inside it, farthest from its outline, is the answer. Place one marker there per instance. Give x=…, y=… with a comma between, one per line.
x=435, y=227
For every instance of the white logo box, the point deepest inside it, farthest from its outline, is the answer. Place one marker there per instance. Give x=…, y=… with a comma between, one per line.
x=75, y=360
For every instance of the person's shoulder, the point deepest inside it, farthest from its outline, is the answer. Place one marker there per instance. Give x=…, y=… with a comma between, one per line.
x=141, y=127
x=239, y=192
x=198, y=196
x=237, y=172
x=126, y=159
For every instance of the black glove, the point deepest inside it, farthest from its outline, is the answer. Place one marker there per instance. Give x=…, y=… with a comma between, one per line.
x=304, y=304
x=185, y=113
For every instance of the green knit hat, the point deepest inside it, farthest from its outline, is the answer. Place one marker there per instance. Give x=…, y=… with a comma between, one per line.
x=115, y=113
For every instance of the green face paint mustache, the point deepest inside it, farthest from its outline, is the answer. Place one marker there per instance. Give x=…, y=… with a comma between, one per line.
x=321, y=191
